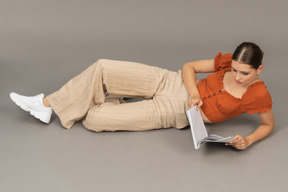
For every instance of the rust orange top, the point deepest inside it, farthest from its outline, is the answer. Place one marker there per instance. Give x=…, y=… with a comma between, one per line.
x=219, y=105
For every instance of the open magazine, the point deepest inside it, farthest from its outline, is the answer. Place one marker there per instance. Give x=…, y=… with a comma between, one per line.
x=199, y=132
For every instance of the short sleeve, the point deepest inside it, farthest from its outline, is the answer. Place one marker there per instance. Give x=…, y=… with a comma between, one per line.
x=258, y=101
x=222, y=61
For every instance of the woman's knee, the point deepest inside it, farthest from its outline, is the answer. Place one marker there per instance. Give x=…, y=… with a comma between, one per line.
x=91, y=125
x=102, y=62
x=97, y=120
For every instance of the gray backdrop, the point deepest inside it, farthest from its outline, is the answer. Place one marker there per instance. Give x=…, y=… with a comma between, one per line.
x=44, y=43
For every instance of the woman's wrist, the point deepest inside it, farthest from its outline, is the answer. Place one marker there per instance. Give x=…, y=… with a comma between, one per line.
x=194, y=93
x=249, y=140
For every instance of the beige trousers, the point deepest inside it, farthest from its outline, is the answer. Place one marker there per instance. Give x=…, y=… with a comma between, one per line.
x=165, y=98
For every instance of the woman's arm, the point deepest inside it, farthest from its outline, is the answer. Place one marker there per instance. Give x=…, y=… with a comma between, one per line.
x=266, y=127
x=189, y=78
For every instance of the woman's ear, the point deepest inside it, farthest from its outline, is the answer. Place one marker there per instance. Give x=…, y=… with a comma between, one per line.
x=259, y=70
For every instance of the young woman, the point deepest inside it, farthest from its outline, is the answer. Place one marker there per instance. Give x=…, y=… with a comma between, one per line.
x=234, y=88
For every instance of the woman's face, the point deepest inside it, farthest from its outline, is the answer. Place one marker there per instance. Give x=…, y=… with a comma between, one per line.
x=244, y=74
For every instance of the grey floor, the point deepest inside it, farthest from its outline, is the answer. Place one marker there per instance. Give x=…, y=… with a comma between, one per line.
x=45, y=43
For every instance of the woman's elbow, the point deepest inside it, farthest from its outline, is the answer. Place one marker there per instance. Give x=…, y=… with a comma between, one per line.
x=184, y=67
x=187, y=66
x=270, y=127
x=272, y=124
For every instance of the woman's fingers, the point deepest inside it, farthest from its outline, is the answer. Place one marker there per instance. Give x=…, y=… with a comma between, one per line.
x=199, y=105
x=239, y=142
x=195, y=101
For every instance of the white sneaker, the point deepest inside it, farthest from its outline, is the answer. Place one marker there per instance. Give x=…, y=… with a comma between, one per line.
x=34, y=105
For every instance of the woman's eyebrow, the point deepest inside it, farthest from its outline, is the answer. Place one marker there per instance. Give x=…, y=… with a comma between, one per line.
x=240, y=71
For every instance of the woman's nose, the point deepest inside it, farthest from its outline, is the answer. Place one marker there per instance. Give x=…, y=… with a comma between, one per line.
x=238, y=76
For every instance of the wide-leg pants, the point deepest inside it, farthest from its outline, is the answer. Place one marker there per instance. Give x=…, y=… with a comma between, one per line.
x=165, y=98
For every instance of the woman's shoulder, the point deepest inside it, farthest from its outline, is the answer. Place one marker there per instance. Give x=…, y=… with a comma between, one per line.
x=258, y=90
x=257, y=98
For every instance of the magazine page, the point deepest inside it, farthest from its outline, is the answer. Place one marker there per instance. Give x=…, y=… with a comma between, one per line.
x=198, y=128
x=219, y=139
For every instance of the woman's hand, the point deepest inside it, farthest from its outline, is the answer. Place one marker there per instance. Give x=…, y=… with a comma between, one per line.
x=240, y=143
x=261, y=132
x=195, y=100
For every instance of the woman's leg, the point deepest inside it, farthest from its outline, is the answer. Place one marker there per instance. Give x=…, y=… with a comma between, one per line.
x=136, y=116
x=166, y=109
x=117, y=78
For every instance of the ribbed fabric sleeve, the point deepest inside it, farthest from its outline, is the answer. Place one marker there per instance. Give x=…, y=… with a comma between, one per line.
x=222, y=61
x=258, y=100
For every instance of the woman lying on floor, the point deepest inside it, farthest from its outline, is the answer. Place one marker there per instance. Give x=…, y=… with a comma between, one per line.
x=232, y=89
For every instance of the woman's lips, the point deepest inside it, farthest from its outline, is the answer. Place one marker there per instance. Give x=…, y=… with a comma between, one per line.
x=238, y=82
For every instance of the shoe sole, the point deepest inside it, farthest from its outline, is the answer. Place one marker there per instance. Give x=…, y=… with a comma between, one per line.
x=32, y=112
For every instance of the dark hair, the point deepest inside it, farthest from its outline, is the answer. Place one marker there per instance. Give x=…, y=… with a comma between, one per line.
x=248, y=53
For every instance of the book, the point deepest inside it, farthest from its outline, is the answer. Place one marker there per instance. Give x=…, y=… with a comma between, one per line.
x=199, y=132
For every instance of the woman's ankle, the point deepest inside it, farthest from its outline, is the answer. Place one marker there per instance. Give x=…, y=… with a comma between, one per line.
x=45, y=102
